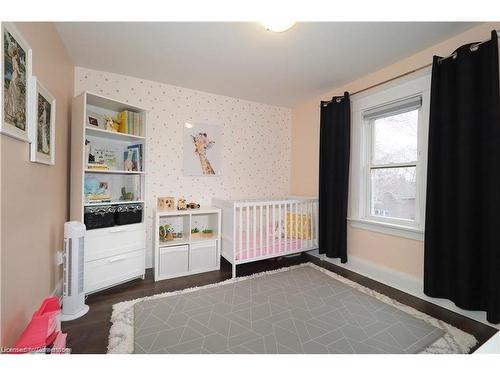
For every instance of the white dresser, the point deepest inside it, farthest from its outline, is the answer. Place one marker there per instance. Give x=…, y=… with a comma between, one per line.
x=114, y=255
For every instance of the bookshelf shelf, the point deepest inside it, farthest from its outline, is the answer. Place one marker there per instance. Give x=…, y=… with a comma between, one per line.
x=93, y=204
x=115, y=136
x=112, y=171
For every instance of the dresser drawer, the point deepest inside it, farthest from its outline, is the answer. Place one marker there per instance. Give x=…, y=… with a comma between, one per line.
x=108, y=242
x=103, y=273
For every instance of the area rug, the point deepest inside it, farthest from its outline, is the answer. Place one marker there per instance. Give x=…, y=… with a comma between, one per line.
x=299, y=309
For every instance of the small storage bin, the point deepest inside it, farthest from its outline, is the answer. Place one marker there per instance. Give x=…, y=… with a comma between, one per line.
x=99, y=217
x=128, y=214
x=174, y=261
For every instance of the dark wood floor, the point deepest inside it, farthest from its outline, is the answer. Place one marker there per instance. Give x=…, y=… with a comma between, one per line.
x=89, y=334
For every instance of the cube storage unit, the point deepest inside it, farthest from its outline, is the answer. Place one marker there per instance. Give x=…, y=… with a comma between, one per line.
x=115, y=241
x=187, y=242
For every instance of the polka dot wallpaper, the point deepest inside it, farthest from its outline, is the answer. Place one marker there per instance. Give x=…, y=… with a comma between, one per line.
x=256, y=140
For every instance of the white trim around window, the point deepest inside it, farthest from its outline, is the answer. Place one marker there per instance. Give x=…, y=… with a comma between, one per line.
x=363, y=107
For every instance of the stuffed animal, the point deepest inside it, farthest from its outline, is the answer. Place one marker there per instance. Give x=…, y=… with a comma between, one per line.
x=193, y=205
x=181, y=204
x=111, y=125
x=126, y=196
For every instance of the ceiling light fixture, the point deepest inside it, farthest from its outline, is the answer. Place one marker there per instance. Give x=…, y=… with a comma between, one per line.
x=278, y=26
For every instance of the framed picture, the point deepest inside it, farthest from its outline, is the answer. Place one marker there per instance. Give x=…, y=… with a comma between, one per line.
x=43, y=145
x=15, y=69
x=95, y=120
x=202, y=149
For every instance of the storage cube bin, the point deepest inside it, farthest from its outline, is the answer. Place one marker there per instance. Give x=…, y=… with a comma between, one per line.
x=174, y=260
x=128, y=214
x=99, y=217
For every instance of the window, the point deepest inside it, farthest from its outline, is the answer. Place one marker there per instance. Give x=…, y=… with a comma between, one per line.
x=390, y=135
x=392, y=166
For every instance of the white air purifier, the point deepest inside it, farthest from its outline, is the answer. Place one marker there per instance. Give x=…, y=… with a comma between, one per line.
x=73, y=303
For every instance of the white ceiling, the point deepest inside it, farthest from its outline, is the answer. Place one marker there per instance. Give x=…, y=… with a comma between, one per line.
x=244, y=60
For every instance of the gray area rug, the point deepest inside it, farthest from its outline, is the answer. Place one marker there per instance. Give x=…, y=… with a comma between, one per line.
x=300, y=309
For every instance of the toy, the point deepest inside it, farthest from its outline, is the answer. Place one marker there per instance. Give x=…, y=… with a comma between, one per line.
x=207, y=233
x=193, y=205
x=167, y=232
x=126, y=196
x=181, y=204
x=195, y=233
x=111, y=125
x=96, y=191
x=166, y=203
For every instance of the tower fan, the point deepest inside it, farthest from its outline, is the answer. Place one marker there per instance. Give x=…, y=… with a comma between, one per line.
x=73, y=304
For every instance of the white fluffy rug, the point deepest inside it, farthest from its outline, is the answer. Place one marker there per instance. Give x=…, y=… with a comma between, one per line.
x=121, y=335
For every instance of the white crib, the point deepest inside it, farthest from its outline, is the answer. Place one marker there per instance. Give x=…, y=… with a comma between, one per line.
x=256, y=229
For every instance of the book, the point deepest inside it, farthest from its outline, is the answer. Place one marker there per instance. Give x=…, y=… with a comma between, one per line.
x=136, y=124
x=97, y=167
x=124, y=122
x=138, y=148
x=131, y=159
x=130, y=122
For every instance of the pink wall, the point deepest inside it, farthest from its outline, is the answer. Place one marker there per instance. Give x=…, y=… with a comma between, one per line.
x=395, y=252
x=34, y=196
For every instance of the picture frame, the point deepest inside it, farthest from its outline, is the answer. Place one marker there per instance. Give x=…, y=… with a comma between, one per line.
x=95, y=120
x=16, y=94
x=202, y=149
x=43, y=112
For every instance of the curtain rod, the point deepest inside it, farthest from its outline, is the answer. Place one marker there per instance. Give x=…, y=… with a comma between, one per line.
x=472, y=47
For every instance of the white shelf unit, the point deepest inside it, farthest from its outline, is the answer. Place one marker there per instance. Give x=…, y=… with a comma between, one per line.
x=187, y=255
x=115, y=254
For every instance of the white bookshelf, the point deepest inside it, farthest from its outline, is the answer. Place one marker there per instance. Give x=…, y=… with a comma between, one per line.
x=115, y=254
x=187, y=255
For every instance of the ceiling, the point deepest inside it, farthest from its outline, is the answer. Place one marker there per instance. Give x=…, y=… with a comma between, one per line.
x=243, y=60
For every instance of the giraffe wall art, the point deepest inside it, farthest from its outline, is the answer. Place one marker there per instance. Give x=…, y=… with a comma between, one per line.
x=202, y=149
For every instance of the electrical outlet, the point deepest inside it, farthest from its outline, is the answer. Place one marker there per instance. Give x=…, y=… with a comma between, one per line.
x=59, y=257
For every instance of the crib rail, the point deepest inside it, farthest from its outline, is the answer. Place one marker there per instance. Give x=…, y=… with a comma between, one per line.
x=269, y=228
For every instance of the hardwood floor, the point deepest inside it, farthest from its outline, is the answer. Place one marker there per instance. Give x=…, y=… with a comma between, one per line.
x=89, y=334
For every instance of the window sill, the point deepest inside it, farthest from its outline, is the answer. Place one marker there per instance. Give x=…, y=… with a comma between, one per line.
x=387, y=228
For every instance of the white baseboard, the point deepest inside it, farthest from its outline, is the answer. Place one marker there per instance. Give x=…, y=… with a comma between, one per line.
x=402, y=281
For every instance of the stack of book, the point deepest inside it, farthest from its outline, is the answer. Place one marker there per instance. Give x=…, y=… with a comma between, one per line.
x=97, y=167
x=131, y=123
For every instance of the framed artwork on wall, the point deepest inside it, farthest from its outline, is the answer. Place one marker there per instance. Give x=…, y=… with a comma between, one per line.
x=43, y=106
x=202, y=149
x=15, y=69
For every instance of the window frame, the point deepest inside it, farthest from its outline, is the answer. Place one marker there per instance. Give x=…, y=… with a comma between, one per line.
x=370, y=165
x=362, y=152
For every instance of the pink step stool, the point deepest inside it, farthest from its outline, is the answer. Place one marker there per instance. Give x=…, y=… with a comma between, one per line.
x=44, y=329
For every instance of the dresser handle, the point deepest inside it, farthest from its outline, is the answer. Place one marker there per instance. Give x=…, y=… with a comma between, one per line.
x=117, y=230
x=116, y=259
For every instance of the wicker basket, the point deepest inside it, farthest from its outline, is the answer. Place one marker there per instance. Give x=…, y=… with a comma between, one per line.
x=128, y=214
x=99, y=217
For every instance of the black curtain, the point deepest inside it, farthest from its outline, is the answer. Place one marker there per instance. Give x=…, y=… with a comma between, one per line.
x=462, y=228
x=334, y=150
